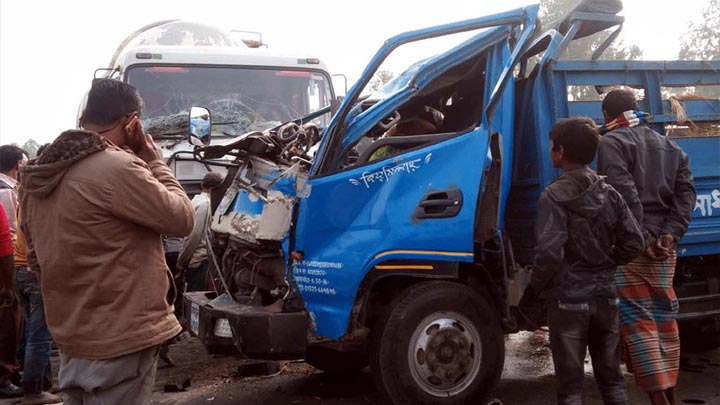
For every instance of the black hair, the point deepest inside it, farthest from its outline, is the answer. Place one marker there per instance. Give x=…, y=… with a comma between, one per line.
x=10, y=155
x=110, y=100
x=41, y=149
x=617, y=102
x=211, y=180
x=578, y=137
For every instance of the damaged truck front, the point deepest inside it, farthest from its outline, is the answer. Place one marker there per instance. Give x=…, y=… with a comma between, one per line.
x=397, y=236
x=353, y=257
x=251, y=240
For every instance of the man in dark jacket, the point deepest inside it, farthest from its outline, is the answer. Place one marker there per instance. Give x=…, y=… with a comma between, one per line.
x=653, y=175
x=584, y=231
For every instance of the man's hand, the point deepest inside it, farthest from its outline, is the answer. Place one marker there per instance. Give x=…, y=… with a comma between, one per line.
x=141, y=143
x=148, y=150
x=7, y=297
x=667, y=241
x=134, y=134
x=653, y=254
x=657, y=250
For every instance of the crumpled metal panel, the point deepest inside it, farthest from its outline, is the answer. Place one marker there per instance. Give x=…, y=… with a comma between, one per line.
x=258, y=206
x=274, y=223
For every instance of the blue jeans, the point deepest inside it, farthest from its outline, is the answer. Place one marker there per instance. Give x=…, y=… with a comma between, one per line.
x=37, y=374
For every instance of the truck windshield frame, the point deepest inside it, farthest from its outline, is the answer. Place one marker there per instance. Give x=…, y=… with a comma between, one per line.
x=241, y=98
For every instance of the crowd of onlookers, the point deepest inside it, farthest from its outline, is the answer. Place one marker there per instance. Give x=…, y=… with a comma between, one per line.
x=90, y=234
x=25, y=341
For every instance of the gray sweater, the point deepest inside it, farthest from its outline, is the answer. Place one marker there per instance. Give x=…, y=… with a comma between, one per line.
x=653, y=175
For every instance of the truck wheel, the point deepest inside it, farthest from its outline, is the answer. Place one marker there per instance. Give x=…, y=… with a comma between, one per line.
x=438, y=343
x=334, y=361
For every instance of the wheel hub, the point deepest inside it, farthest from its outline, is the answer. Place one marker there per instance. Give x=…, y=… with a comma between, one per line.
x=448, y=354
x=445, y=354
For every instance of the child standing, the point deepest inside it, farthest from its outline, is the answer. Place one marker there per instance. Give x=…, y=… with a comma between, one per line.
x=584, y=231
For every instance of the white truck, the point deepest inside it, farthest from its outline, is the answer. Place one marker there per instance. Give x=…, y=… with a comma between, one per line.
x=176, y=65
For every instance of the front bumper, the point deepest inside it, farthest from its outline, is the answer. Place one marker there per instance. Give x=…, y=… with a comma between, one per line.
x=223, y=325
x=208, y=322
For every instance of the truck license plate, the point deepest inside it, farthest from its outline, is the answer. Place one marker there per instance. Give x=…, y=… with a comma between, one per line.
x=195, y=319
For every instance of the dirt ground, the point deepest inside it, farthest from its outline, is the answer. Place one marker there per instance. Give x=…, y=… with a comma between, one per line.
x=527, y=379
x=214, y=380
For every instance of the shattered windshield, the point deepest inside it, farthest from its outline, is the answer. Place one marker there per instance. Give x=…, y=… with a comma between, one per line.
x=240, y=99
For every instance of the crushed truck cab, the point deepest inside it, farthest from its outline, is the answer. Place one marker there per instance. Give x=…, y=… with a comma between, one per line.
x=402, y=243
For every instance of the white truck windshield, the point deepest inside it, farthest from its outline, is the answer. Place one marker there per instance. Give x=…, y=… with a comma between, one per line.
x=240, y=99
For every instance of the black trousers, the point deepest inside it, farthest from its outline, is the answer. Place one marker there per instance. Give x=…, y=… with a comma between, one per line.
x=576, y=327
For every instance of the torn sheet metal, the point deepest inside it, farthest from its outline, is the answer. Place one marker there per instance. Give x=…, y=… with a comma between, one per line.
x=258, y=206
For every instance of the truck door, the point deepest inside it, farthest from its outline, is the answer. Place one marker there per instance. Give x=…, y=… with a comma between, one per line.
x=398, y=176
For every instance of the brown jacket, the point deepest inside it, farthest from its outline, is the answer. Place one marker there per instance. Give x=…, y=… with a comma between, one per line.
x=93, y=216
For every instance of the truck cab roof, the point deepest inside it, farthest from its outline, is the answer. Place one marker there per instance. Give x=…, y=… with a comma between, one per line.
x=213, y=55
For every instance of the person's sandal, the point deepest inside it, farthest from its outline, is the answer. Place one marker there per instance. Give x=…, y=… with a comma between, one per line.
x=41, y=399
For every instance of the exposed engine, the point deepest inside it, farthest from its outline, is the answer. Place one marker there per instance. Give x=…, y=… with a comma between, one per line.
x=254, y=218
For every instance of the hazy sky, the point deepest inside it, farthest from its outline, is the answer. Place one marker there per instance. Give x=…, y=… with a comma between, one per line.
x=50, y=49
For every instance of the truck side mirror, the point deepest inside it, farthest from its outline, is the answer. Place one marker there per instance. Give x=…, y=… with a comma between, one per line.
x=344, y=84
x=199, y=126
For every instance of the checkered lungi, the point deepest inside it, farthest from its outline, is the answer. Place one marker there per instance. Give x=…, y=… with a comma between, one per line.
x=648, y=309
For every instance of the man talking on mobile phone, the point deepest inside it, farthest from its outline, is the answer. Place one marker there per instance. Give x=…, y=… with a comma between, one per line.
x=94, y=206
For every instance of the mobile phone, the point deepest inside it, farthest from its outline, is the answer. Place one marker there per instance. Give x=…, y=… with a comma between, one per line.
x=130, y=127
x=134, y=134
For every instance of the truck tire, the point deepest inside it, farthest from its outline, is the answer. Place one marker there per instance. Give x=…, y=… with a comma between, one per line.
x=333, y=361
x=438, y=343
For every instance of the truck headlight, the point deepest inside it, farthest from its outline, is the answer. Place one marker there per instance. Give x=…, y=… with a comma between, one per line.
x=222, y=328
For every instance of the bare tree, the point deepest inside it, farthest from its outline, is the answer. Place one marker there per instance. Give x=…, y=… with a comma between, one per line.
x=702, y=40
x=379, y=79
x=30, y=147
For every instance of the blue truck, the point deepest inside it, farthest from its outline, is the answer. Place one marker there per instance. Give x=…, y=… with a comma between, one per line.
x=411, y=260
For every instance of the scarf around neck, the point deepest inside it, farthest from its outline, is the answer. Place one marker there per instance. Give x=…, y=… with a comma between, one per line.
x=628, y=119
